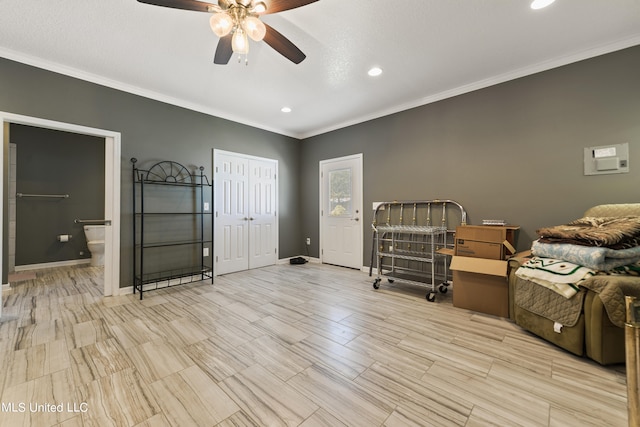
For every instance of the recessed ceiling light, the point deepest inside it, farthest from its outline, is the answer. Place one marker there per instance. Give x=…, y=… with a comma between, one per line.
x=539, y=4
x=375, y=71
x=285, y=109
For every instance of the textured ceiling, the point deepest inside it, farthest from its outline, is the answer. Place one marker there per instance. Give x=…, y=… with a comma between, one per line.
x=428, y=49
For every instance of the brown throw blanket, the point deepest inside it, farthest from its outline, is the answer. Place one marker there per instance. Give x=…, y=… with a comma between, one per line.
x=608, y=232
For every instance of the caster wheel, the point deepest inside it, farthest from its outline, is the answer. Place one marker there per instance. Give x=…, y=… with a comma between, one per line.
x=443, y=288
x=431, y=296
x=390, y=280
x=376, y=284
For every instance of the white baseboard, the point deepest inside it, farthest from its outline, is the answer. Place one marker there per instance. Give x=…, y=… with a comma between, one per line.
x=6, y=286
x=52, y=264
x=124, y=291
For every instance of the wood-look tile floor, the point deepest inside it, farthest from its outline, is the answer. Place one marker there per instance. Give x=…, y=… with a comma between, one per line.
x=305, y=345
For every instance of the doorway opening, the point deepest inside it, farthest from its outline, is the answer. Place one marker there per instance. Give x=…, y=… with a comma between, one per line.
x=112, y=150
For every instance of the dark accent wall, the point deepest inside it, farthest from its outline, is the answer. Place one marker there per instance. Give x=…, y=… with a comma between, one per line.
x=152, y=131
x=512, y=151
x=55, y=162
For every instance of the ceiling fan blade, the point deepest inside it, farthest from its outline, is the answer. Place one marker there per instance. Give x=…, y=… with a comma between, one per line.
x=283, y=46
x=275, y=6
x=223, y=51
x=198, y=6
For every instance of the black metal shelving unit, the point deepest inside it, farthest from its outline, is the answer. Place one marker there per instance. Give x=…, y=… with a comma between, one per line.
x=169, y=239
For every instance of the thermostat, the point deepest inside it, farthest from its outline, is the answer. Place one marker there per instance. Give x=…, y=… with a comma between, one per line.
x=606, y=159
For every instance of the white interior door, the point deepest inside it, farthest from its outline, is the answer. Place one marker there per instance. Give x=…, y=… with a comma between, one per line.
x=262, y=213
x=232, y=215
x=341, y=211
x=246, y=233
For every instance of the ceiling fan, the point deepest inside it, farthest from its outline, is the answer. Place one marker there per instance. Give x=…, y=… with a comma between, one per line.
x=235, y=20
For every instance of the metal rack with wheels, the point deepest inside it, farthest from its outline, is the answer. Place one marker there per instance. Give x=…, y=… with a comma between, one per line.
x=415, y=252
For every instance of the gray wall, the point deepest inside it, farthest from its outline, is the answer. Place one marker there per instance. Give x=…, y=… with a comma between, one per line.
x=54, y=162
x=512, y=151
x=151, y=131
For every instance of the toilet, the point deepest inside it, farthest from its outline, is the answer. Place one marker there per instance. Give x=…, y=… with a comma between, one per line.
x=95, y=243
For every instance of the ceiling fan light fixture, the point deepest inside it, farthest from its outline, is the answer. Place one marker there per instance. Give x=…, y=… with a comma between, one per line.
x=254, y=28
x=259, y=7
x=221, y=24
x=234, y=21
x=239, y=42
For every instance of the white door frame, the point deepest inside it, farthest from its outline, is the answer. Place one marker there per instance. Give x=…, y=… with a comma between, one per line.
x=112, y=145
x=361, y=196
x=217, y=152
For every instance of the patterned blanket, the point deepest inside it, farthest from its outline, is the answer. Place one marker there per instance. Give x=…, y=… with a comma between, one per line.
x=596, y=258
x=558, y=275
x=607, y=232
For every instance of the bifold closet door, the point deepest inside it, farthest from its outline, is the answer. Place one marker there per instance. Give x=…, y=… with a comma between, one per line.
x=246, y=212
x=232, y=214
x=262, y=213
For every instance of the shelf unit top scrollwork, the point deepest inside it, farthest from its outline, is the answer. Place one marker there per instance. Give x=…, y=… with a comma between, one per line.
x=170, y=173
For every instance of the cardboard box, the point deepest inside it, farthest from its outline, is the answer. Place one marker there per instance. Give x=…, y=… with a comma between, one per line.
x=485, y=241
x=473, y=249
x=480, y=285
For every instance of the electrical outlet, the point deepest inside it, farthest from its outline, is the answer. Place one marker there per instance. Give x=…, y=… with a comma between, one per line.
x=205, y=252
x=308, y=241
x=205, y=206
